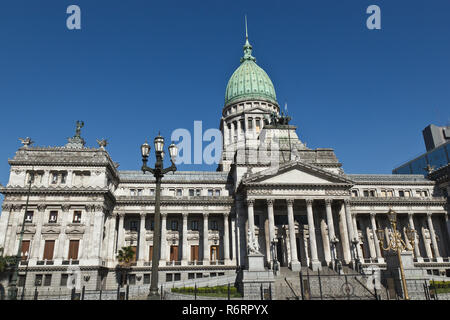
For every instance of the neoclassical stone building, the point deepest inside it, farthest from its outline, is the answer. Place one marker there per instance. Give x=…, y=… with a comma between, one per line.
x=299, y=204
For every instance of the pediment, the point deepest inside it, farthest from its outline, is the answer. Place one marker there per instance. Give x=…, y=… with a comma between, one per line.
x=296, y=172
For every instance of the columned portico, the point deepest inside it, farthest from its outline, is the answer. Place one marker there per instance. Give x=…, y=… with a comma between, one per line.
x=295, y=264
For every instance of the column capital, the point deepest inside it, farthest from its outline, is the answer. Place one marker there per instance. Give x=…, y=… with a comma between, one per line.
x=226, y=214
x=429, y=214
x=185, y=215
x=328, y=202
x=309, y=201
x=270, y=202
x=346, y=202
x=41, y=207
x=121, y=215
x=290, y=202
x=373, y=214
x=205, y=215
x=410, y=213
x=65, y=207
x=143, y=215
x=163, y=214
x=250, y=202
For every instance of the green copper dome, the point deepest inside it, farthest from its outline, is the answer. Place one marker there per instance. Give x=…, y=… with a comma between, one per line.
x=249, y=81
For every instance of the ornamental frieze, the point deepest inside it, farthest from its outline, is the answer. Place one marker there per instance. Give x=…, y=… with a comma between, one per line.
x=75, y=228
x=50, y=229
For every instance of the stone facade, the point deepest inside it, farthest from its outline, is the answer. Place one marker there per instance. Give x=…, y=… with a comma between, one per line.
x=298, y=203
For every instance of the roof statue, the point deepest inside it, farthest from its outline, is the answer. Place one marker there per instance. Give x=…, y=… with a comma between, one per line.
x=102, y=143
x=26, y=142
x=76, y=142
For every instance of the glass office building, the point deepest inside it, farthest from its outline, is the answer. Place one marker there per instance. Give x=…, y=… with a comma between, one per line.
x=436, y=158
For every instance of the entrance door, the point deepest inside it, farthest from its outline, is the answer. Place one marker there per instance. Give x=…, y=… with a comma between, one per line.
x=173, y=253
x=214, y=253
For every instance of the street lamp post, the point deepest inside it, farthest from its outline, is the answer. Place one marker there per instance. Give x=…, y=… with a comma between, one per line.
x=12, y=288
x=158, y=172
x=397, y=244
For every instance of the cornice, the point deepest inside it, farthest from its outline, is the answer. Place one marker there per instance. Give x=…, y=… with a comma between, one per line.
x=167, y=201
x=398, y=201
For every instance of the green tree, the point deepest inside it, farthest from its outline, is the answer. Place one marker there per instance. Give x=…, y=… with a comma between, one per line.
x=5, y=261
x=125, y=257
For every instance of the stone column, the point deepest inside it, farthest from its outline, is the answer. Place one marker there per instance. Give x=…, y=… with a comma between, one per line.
x=315, y=263
x=205, y=239
x=37, y=240
x=110, y=256
x=416, y=238
x=233, y=239
x=226, y=238
x=121, y=231
x=184, y=255
x=330, y=224
x=345, y=243
x=142, y=245
x=375, y=237
x=433, y=238
x=251, y=217
x=63, y=220
x=4, y=221
x=271, y=219
x=348, y=217
x=238, y=124
x=225, y=133
x=295, y=264
x=163, y=255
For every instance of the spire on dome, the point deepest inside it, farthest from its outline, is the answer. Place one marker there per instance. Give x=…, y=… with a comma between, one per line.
x=247, y=46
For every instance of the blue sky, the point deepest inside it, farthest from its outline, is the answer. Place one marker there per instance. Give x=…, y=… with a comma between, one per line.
x=137, y=67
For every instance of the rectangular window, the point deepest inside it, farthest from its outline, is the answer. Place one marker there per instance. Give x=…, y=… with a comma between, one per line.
x=49, y=248
x=38, y=280
x=25, y=249
x=53, y=217
x=198, y=192
x=132, y=279
x=150, y=254
x=217, y=192
x=77, y=217
x=152, y=225
x=372, y=193
x=146, y=278
x=383, y=193
x=425, y=193
x=139, y=192
x=29, y=216
x=194, y=253
x=250, y=123
x=133, y=225
x=390, y=193
x=179, y=192
x=21, y=280
x=214, y=225
x=256, y=217
x=73, y=249
x=199, y=275
x=168, y=277
x=210, y=192
x=407, y=194
x=172, y=192
x=366, y=193
x=194, y=225
x=191, y=192
x=54, y=177
x=174, y=225
x=191, y=275
x=64, y=278
x=152, y=192
x=177, y=276
x=133, y=248
x=63, y=177
x=47, y=280
x=258, y=125
x=401, y=193
x=354, y=193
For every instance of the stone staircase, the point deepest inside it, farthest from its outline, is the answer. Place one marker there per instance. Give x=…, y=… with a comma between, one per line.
x=331, y=285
